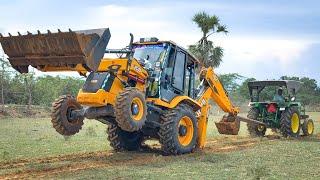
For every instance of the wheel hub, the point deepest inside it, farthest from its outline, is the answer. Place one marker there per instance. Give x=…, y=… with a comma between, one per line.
x=134, y=109
x=295, y=123
x=182, y=130
x=71, y=115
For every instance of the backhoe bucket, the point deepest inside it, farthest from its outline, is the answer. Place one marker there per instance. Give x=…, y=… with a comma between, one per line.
x=61, y=50
x=228, y=125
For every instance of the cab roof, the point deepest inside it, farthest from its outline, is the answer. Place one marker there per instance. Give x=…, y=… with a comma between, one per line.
x=193, y=58
x=291, y=85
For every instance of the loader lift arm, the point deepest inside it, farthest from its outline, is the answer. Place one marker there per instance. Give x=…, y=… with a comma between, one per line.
x=211, y=88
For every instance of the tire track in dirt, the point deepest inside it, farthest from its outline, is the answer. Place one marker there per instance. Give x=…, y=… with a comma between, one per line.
x=228, y=144
x=83, y=162
x=50, y=166
x=69, y=157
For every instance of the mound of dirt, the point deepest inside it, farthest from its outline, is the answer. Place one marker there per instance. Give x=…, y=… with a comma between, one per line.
x=20, y=111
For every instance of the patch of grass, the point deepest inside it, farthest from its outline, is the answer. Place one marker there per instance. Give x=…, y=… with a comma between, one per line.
x=267, y=159
x=90, y=131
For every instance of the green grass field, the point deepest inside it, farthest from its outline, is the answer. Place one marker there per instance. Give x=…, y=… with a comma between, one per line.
x=31, y=148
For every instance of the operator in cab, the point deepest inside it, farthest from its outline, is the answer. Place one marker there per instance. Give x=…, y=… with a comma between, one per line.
x=278, y=97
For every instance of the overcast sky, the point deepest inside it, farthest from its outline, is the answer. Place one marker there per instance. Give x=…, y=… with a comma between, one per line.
x=267, y=38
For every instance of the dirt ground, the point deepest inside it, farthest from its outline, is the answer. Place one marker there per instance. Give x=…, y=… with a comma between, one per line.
x=82, y=161
x=34, y=150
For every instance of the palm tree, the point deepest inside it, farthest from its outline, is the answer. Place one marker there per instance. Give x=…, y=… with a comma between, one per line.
x=204, y=49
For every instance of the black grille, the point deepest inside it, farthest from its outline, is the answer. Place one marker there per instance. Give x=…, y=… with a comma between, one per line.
x=96, y=81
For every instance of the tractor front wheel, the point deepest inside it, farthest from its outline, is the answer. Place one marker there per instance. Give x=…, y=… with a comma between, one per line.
x=131, y=109
x=61, y=117
x=178, y=130
x=255, y=129
x=121, y=140
x=290, y=122
x=307, y=127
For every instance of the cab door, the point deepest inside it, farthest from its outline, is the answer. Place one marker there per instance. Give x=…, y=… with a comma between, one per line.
x=173, y=76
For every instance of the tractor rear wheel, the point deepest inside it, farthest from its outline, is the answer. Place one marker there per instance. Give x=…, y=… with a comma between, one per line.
x=255, y=129
x=307, y=127
x=61, y=117
x=121, y=140
x=131, y=109
x=178, y=130
x=290, y=122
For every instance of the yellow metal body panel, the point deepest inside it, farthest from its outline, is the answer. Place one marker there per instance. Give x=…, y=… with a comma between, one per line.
x=177, y=100
x=102, y=98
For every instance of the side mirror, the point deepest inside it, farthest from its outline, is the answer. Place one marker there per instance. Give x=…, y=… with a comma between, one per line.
x=293, y=98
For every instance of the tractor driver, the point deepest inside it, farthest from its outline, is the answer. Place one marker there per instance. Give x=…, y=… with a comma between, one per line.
x=278, y=97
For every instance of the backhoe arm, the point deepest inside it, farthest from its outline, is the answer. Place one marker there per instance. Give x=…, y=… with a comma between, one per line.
x=211, y=88
x=214, y=90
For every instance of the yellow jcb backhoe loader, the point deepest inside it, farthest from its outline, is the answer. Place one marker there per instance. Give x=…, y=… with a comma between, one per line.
x=147, y=92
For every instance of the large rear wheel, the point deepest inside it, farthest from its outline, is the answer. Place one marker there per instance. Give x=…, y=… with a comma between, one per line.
x=255, y=129
x=178, y=130
x=121, y=140
x=290, y=122
x=61, y=117
x=131, y=109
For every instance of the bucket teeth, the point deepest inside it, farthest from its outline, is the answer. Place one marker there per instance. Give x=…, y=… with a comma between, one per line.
x=56, y=50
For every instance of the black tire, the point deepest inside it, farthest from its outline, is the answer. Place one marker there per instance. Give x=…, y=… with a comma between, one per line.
x=125, y=116
x=121, y=140
x=255, y=130
x=308, y=127
x=170, y=131
x=60, y=115
x=288, y=126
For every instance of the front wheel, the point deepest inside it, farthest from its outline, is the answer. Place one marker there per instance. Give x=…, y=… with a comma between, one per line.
x=121, y=140
x=61, y=116
x=255, y=129
x=131, y=109
x=307, y=127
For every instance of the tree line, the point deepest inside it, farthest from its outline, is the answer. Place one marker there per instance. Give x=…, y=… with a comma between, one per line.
x=28, y=89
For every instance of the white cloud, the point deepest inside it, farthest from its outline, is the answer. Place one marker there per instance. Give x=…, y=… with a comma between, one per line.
x=258, y=48
x=243, y=54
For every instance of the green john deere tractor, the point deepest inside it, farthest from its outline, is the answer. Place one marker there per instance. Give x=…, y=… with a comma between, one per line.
x=274, y=103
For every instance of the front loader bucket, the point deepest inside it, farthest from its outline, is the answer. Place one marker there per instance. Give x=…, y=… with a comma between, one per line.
x=61, y=50
x=228, y=125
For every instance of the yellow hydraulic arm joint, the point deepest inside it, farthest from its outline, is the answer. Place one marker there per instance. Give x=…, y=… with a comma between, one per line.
x=213, y=89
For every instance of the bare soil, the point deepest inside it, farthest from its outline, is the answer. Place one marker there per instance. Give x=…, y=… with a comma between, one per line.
x=48, y=166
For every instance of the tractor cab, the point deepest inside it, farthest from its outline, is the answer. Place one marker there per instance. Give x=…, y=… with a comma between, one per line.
x=278, y=92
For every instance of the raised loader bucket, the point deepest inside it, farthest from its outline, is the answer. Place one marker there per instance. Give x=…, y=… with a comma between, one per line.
x=228, y=125
x=61, y=50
